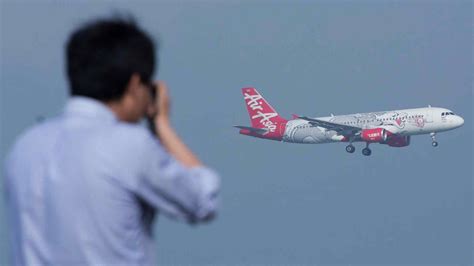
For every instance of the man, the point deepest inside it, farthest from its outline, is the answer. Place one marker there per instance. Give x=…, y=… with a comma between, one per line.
x=82, y=188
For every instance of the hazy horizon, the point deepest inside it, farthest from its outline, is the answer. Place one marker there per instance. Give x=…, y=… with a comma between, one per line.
x=286, y=203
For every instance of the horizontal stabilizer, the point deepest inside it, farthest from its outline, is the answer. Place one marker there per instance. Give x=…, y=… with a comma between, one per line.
x=260, y=131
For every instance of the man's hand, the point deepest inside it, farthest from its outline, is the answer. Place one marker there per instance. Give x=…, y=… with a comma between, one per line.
x=160, y=110
x=162, y=101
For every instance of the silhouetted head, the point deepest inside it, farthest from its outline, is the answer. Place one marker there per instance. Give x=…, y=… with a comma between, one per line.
x=104, y=55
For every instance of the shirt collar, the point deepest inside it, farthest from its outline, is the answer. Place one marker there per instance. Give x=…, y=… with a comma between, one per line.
x=85, y=106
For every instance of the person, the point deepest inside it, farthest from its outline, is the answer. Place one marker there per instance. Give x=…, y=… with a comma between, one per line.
x=83, y=188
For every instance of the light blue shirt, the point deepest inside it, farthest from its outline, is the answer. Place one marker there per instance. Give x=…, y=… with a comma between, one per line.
x=82, y=189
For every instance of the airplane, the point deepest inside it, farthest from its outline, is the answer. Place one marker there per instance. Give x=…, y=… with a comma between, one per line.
x=392, y=128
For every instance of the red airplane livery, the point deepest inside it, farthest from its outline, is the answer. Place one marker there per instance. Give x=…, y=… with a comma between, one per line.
x=392, y=128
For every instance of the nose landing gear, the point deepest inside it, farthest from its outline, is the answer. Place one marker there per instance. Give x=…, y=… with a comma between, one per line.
x=434, y=143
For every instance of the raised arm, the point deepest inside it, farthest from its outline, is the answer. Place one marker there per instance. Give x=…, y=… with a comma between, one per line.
x=176, y=181
x=166, y=133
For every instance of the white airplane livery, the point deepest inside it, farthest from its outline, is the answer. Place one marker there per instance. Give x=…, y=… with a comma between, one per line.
x=392, y=128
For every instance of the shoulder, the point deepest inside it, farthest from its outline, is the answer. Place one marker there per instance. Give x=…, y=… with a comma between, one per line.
x=130, y=130
x=126, y=150
x=31, y=143
x=36, y=135
x=124, y=143
x=134, y=135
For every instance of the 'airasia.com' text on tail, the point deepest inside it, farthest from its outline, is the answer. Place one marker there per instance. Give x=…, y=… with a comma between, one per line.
x=266, y=123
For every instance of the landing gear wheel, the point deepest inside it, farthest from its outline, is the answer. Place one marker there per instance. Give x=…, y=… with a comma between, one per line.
x=350, y=148
x=433, y=138
x=366, y=152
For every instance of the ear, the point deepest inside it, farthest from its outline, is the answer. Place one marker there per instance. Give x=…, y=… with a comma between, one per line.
x=133, y=84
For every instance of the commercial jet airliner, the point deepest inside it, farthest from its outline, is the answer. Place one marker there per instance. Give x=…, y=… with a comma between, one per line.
x=393, y=128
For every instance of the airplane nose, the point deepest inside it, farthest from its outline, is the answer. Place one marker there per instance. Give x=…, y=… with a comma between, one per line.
x=459, y=121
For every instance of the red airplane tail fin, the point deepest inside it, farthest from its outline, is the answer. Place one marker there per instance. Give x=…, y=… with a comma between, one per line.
x=263, y=115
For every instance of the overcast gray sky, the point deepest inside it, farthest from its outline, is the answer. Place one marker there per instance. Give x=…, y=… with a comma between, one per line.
x=287, y=203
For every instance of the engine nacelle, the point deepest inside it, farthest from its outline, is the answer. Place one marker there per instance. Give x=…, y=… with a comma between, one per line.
x=374, y=135
x=398, y=141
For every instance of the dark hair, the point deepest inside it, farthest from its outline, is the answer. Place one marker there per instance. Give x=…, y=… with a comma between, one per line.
x=103, y=54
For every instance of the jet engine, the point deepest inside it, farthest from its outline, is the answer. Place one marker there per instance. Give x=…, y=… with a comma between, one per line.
x=398, y=141
x=374, y=135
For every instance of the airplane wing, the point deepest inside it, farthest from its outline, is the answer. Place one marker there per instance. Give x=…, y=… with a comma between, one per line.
x=339, y=128
x=260, y=131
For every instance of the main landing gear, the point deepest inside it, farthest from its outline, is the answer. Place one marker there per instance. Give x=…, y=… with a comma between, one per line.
x=433, y=138
x=350, y=148
x=366, y=151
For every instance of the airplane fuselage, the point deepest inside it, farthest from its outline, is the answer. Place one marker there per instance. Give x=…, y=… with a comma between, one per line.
x=404, y=122
x=392, y=128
